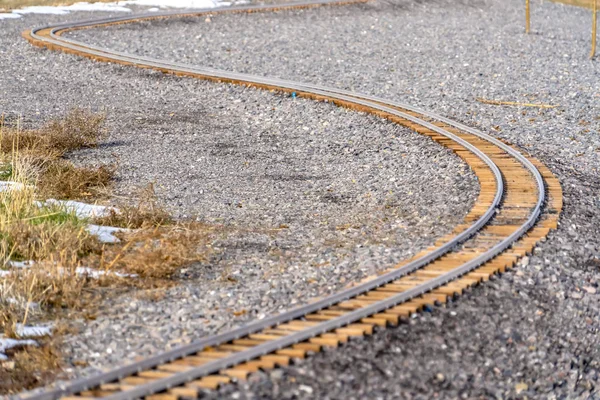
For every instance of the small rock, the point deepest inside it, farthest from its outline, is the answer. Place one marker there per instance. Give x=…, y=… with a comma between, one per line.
x=306, y=389
x=590, y=289
x=520, y=387
x=276, y=374
x=8, y=365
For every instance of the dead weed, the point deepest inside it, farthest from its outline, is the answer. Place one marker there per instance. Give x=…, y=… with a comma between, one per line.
x=144, y=211
x=59, y=248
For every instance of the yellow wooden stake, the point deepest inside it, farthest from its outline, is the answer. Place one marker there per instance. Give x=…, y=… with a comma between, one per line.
x=527, y=16
x=594, y=24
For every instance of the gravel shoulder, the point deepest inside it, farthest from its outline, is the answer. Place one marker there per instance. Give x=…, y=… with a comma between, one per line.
x=531, y=334
x=314, y=196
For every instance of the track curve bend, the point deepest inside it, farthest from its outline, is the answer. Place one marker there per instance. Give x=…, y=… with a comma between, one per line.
x=519, y=203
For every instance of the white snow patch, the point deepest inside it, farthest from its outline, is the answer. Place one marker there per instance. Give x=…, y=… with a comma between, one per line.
x=85, y=6
x=82, y=210
x=41, y=10
x=105, y=234
x=12, y=300
x=20, y=264
x=61, y=10
x=174, y=3
x=33, y=330
x=8, y=186
x=91, y=272
x=95, y=273
x=115, y=7
x=8, y=16
x=6, y=343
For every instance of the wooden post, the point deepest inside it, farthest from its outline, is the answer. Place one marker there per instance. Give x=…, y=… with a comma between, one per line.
x=594, y=24
x=527, y=16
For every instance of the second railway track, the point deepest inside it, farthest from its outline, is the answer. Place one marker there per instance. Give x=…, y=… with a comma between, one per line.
x=519, y=203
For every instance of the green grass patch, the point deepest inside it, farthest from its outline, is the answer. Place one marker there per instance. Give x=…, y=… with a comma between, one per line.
x=6, y=172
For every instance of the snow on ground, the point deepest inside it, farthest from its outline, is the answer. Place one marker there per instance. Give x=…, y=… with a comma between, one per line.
x=96, y=273
x=90, y=272
x=82, y=210
x=6, y=344
x=175, y=3
x=105, y=234
x=118, y=6
x=21, y=330
x=20, y=264
x=33, y=330
x=8, y=16
x=7, y=186
x=59, y=10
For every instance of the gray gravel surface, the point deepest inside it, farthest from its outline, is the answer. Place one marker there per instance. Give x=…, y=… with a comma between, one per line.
x=314, y=196
x=535, y=332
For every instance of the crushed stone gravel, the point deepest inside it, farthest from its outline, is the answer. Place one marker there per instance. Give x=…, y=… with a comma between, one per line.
x=316, y=196
x=535, y=332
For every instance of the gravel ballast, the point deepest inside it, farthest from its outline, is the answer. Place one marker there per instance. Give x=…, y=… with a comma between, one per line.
x=314, y=196
x=535, y=332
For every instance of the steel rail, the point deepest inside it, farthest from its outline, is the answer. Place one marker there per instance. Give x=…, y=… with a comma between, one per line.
x=364, y=100
x=86, y=383
x=286, y=83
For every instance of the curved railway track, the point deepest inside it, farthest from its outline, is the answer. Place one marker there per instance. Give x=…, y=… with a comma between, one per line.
x=518, y=204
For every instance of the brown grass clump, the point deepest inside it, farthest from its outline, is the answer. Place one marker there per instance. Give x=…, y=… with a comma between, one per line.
x=55, y=240
x=29, y=367
x=78, y=129
x=43, y=151
x=63, y=180
x=145, y=211
x=50, y=236
x=48, y=240
x=60, y=247
x=161, y=252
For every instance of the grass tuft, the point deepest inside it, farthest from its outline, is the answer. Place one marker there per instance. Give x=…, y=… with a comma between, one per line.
x=30, y=367
x=78, y=129
x=42, y=151
x=63, y=180
x=161, y=252
x=145, y=211
x=59, y=245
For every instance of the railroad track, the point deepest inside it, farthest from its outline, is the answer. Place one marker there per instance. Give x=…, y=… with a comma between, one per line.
x=519, y=203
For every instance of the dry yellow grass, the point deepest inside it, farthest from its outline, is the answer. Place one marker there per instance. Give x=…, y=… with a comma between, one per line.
x=6, y=5
x=43, y=150
x=159, y=253
x=145, y=211
x=59, y=243
x=31, y=368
